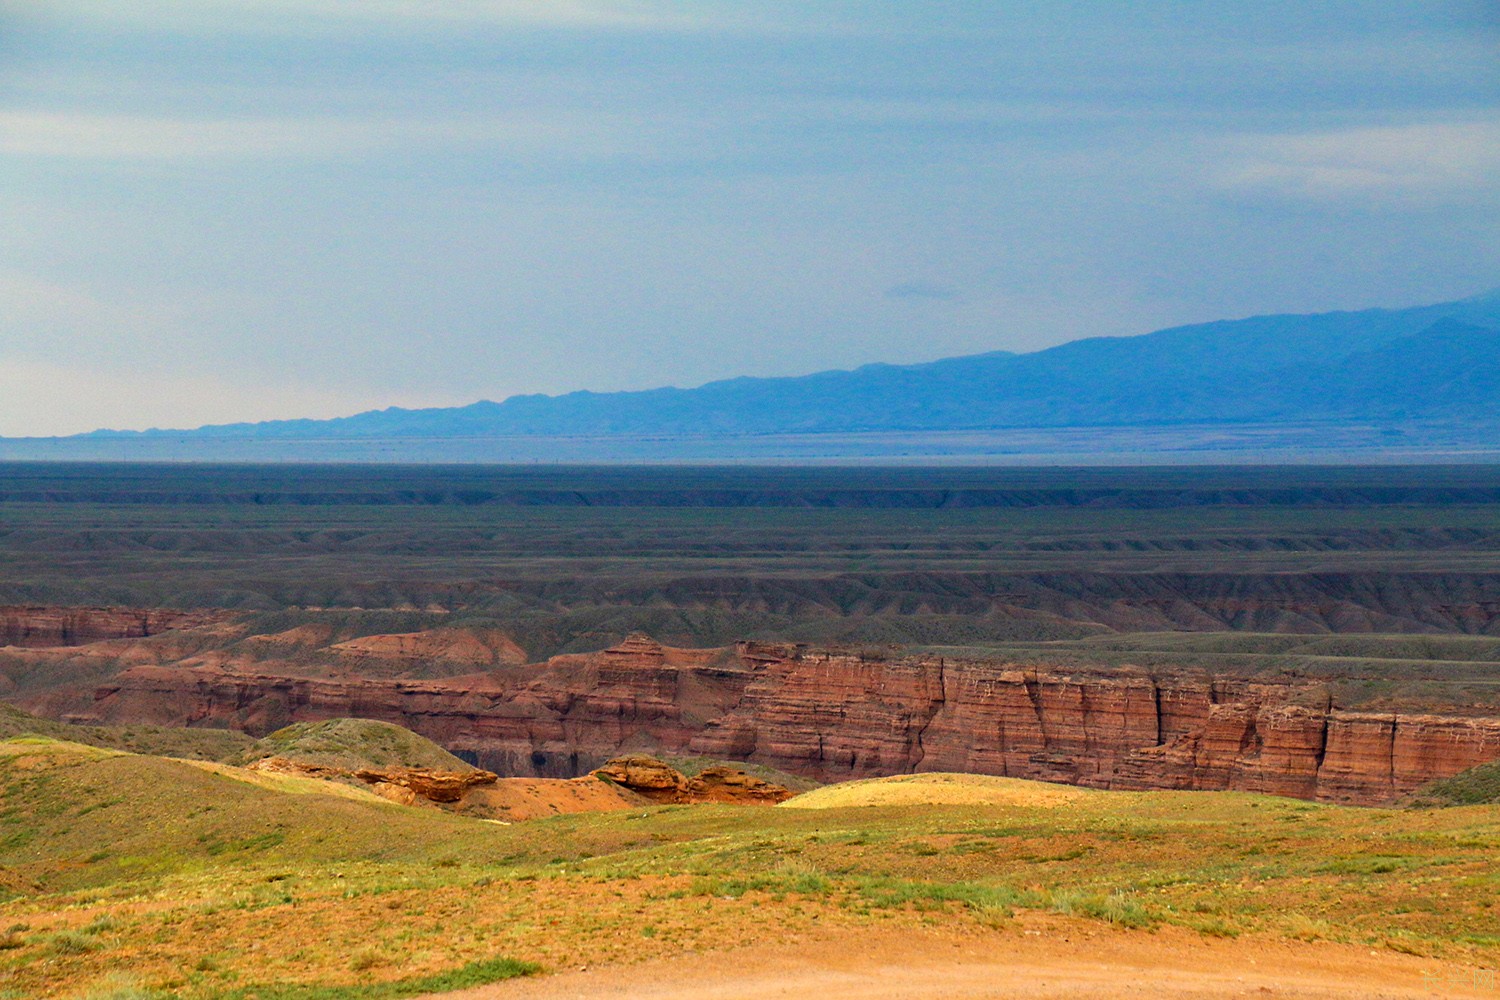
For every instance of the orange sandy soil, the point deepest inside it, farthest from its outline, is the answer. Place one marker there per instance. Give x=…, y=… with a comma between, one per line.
x=534, y=798
x=1034, y=956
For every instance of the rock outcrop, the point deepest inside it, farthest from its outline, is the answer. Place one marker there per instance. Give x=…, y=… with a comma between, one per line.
x=407, y=785
x=658, y=781
x=434, y=786
x=834, y=715
x=470, y=648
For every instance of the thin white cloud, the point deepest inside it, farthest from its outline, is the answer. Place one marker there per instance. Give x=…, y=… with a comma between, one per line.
x=1423, y=161
x=101, y=136
x=307, y=17
x=563, y=13
x=85, y=135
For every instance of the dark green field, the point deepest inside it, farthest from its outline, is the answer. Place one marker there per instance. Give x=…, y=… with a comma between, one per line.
x=1348, y=573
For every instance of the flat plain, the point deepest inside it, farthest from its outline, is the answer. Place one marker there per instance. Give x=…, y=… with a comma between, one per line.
x=1384, y=580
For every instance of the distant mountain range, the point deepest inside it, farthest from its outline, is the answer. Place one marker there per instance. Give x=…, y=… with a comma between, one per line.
x=1438, y=363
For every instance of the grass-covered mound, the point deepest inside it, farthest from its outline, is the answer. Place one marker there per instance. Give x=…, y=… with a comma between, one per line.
x=77, y=815
x=165, y=741
x=1476, y=786
x=937, y=790
x=351, y=744
x=87, y=824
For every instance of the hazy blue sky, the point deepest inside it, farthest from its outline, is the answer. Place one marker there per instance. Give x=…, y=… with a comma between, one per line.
x=219, y=210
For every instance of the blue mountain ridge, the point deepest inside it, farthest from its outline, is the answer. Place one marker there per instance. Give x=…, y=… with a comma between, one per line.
x=1432, y=363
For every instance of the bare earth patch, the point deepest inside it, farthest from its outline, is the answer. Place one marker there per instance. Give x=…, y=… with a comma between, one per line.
x=1042, y=956
x=532, y=798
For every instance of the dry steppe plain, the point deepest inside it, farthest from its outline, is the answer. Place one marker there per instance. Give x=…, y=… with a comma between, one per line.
x=136, y=876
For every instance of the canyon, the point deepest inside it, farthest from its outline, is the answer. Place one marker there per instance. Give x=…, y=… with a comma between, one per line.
x=824, y=713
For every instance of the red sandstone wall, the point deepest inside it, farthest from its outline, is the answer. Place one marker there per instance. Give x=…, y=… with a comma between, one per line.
x=52, y=626
x=835, y=715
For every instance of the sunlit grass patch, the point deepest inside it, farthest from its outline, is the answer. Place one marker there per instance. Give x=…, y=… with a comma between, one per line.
x=937, y=789
x=478, y=973
x=1116, y=908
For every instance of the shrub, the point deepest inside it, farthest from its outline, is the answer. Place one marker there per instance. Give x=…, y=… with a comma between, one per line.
x=1216, y=927
x=1116, y=908
x=367, y=958
x=101, y=924
x=72, y=943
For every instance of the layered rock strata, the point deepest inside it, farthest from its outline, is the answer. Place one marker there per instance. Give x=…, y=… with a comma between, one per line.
x=54, y=626
x=834, y=715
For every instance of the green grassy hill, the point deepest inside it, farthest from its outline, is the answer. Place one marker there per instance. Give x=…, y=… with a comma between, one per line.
x=78, y=816
x=352, y=744
x=1476, y=786
x=166, y=741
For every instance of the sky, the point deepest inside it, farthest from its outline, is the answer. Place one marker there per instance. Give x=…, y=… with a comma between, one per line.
x=225, y=210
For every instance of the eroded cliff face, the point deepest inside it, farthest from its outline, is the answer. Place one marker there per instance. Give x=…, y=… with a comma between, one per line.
x=54, y=626
x=835, y=715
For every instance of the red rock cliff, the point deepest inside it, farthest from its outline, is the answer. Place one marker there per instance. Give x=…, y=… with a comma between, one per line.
x=835, y=715
x=54, y=626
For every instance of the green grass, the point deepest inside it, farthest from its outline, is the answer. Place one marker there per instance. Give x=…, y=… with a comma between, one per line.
x=1116, y=908
x=120, y=987
x=478, y=973
x=351, y=744
x=1477, y=785
x=72, y=943
x=167, y=741
x=212, y=818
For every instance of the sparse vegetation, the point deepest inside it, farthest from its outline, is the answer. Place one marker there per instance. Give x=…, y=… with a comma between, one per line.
x=473, y=974
x=1476, y=786
x=693, y=766
x=344, y=893
x=119, y=986
x=1038, y=563
x=72, y=943
x=166, y=741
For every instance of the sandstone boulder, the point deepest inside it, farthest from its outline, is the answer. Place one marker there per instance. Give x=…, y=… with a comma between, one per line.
x=660, y=782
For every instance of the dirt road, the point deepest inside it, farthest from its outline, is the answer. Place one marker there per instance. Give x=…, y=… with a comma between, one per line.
x=1039, y=957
